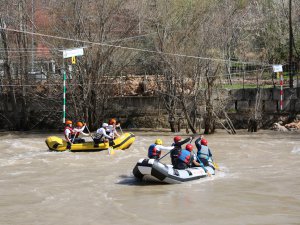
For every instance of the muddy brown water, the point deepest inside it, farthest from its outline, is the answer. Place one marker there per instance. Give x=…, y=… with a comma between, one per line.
x=259, y=183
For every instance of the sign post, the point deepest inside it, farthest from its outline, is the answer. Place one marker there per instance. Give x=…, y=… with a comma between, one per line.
x=64, y=96
x=68, y=53
x=279, y=71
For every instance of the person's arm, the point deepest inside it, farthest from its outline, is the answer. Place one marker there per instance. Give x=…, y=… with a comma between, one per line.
x=196, y=163
x=164, y=148
x=105, y=135
x=79, y=130
x=197, y=143
x=116, y=133
x=209, y=153
x=199, y=163
x=84, y=134
x=67, y=132
x=185, y=141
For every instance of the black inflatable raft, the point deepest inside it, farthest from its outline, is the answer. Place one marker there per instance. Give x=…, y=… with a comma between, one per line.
x=153, y=170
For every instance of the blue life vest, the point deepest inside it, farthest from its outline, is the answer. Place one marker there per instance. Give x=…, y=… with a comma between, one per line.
x=203, y=153
x=152, y=151
x=185, y=156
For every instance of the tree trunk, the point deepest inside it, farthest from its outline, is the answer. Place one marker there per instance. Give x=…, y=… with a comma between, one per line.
x=187, y=117
x=7, y=74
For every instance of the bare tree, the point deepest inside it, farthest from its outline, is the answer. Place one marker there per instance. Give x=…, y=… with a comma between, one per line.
x=93, y=77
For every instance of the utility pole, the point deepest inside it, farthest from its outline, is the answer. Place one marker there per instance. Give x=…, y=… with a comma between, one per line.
x=291, y=40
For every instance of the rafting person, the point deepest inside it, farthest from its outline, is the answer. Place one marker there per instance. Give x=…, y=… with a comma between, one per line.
x=203, y=153
x=69, y=133
x=154, y=150
x=186, y=158
x=177, y=149
x=112, y=128
x=79, y=130
x=101, y=135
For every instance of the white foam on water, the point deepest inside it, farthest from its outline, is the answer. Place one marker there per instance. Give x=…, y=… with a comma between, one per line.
x=224, y=172
x=21, y=173
x=296, y=150
x=121, y=157
x=25, y=157
x=266, y=166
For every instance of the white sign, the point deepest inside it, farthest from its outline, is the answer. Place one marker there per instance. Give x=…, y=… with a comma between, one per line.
x=277, y=68
x=72, y=52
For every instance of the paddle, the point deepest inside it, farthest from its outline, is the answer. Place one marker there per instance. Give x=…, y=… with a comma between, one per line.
x=172, y=150
x=215, y=164
x=74, y=137
x=111, y=151
x=201, y=164
x=89, y=131
x=165, y=155
x=120, y=128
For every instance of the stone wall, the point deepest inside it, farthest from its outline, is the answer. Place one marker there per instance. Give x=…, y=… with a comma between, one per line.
x=149, y=111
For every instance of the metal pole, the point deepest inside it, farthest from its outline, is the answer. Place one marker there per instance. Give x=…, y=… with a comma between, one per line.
x=291, y=39
x=32, y=37
x=281, y=91
x=64, y=97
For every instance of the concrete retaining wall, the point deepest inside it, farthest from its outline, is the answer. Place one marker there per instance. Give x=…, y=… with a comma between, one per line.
x=239, y=104
x=150, y=111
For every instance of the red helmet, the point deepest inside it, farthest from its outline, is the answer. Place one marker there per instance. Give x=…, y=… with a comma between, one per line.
x=177, y=139
x=204, y=142
x=189, y=147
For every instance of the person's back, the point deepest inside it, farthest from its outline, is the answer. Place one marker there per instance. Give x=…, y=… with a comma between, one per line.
x=154, y=150
x=177, y=150
x=185, y=157
x=203, y=153
x=112, y=128
x=101, y=135
x=69, y=133
x=79, y=130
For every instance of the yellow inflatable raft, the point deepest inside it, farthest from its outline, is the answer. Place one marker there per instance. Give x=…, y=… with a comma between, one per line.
x=123, y=142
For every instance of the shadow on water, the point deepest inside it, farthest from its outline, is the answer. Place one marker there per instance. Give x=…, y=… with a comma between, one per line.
x=133, y=181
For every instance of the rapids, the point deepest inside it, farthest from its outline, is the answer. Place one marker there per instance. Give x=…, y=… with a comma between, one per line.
x=259, y=183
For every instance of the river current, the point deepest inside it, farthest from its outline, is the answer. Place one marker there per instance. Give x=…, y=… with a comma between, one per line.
x=258, y=183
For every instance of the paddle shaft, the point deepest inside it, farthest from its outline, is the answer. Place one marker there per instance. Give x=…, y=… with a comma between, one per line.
x=165, y=155
x=74, y=137
x=170, y=151
x=121, y=129
x=89, y=132
x=201, y=164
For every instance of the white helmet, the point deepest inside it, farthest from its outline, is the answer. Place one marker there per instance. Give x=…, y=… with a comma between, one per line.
x=104, y=125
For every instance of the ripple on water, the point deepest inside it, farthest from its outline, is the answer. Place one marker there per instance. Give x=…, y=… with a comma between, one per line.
x=296, y=150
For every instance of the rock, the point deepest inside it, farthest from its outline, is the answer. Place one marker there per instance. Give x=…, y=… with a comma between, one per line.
x=293, y=125
x=278, y=127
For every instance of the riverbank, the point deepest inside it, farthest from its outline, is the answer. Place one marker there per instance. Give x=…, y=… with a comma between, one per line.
x=150, y=111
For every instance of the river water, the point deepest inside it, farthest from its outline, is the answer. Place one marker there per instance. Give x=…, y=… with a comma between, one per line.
x=259, y=183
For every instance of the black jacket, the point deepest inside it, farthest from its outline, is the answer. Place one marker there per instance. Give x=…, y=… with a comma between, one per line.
x=177, y=149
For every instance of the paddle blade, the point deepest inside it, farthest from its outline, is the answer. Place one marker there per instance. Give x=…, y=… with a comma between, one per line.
x=216, y=166
x=111, y=151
